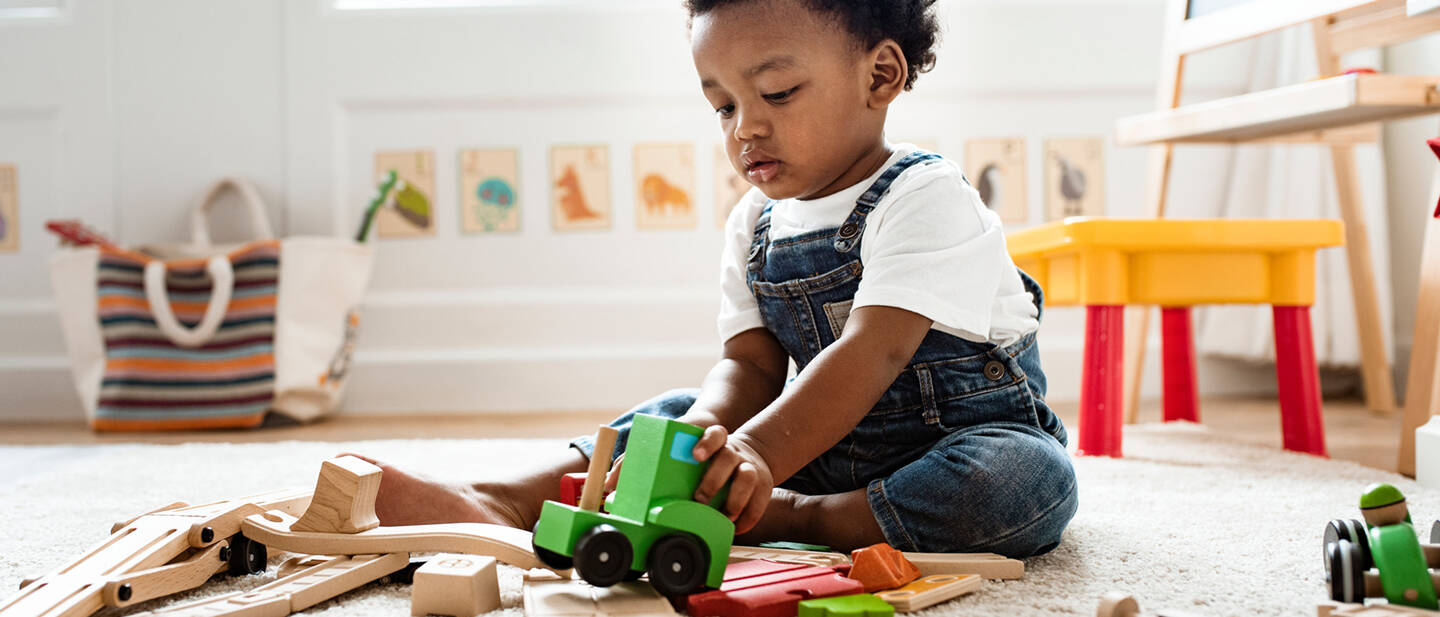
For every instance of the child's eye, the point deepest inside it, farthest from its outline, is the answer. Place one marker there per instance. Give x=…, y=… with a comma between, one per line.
x=780, y=96
x=725, y=111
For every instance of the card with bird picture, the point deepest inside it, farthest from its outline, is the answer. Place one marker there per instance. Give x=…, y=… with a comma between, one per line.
x=996, y=168
x=489, y=197
x=730, y=186
x=9, y=210
x=580, y=187
x=1074, y=177
x=665, y=186
x=410, y=208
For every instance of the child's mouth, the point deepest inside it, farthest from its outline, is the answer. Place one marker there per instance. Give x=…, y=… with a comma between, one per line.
x=763, y=171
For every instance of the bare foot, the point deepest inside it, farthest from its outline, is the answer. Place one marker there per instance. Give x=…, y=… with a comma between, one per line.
x=407, y=498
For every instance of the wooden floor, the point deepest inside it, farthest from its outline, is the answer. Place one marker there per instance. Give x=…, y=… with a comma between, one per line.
x=1352, y=432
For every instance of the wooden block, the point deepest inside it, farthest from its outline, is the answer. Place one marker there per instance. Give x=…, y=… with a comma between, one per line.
x=456, y=585
x=932, y=590
x=344, y=500
x=988, y=565
x=880, y=566
x=509, y=545
x=808, y=558
x=547, y=595
x=1117, y=604
x=858, y=605
x=768, y=589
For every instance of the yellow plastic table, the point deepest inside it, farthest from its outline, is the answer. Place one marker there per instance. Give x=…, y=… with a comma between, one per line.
x=1105, y=264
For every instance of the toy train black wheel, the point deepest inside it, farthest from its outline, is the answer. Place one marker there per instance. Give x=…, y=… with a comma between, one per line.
x=603, y=556
x=246, y=556
x=1435, y=533
x=677, y=564
x=1347, y=577
x=550, y=558
x=1352, y=530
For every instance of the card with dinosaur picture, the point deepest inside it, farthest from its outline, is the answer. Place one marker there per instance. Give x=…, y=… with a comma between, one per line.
x=580, y=187
x=9, y=210
x=410, y=210
x=730, y=186
x=996, y=167
x=665, y=186
x=489, y=190
x=1074, y=177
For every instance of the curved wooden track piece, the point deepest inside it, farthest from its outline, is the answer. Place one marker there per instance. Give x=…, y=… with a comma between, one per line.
x=507, y=544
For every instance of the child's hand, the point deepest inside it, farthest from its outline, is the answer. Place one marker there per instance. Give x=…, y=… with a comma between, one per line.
x=733, y=460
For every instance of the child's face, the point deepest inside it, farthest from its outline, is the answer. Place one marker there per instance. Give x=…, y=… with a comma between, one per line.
x=791, y=90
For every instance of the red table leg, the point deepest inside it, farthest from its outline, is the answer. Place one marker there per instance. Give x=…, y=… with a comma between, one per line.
x=1178, y=354
x=1301, y=422
x=1102, y=381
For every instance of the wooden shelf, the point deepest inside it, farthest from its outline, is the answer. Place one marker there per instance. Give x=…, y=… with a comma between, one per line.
x=1313, y=107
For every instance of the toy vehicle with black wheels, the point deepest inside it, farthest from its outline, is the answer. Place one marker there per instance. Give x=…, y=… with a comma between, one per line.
x=650, y=524
x=1384, y=558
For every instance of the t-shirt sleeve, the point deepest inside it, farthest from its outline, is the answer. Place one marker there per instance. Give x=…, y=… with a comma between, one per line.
x=738, y=309
x=934, y=251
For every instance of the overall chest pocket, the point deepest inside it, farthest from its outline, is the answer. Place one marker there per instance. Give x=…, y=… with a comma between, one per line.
x=808, y=313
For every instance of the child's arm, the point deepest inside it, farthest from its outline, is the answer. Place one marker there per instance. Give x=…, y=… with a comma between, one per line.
x=824, y=404
x=749, y=377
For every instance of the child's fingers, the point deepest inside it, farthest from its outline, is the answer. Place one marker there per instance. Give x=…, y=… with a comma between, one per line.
x=742, y=483
x=613, y=478
x=759, y=501
x=710, y=442
x=721, y=466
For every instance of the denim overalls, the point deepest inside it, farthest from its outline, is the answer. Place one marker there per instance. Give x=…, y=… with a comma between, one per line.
x=960, y=454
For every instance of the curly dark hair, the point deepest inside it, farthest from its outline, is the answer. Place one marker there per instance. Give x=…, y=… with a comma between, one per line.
x=910, y=23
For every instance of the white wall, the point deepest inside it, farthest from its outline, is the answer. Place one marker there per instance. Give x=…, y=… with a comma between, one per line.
x=122, y=113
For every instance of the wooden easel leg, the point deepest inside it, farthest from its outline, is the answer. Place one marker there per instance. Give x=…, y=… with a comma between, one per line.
x=1424, y=379
x=1374, y=362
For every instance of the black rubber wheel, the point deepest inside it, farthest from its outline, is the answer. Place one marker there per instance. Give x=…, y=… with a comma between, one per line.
x=548, y=557
x=677, y=564
x=1435, y=533
x=1355, y=532
x=246, y=556
x=603, y=556
x=1347, y=578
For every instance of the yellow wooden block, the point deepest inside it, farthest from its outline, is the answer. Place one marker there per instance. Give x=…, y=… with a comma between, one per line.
x=1095, y=261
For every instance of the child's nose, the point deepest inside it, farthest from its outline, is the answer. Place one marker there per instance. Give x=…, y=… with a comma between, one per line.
x=750, y=125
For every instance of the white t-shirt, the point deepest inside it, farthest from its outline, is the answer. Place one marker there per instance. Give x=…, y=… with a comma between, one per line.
x=930, y=247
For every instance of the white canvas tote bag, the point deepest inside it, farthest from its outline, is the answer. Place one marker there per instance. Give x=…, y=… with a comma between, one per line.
x=200, y=336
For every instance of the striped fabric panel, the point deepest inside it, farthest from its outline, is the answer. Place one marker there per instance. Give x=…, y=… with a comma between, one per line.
x=152, y=384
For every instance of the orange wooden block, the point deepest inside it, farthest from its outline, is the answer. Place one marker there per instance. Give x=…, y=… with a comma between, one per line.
x=881, y=567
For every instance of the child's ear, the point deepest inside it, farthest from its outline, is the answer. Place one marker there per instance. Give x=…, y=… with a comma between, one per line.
x=888, y=72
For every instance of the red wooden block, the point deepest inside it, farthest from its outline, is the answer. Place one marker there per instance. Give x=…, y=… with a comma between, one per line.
x=571, y=484
x=765, y=588
x=881, y=567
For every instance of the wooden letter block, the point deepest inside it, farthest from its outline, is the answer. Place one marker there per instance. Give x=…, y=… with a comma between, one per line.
x=930, y=591
x=344, y=500
x=881, y=567
x=455, y=585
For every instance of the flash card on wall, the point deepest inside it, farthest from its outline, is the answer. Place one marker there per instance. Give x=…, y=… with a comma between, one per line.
x=410, y=211
x=664, y=186
x=9, y=210
x=580, y=187
x=729, y=186
x=489, y=201
x=1074, y=177
x=997, y=169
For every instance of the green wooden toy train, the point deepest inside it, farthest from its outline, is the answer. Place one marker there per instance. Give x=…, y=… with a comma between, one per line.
x=650, y=524
x=1381, y=556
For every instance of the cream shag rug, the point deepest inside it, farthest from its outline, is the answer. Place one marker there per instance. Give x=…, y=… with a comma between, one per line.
x=1186, y=521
